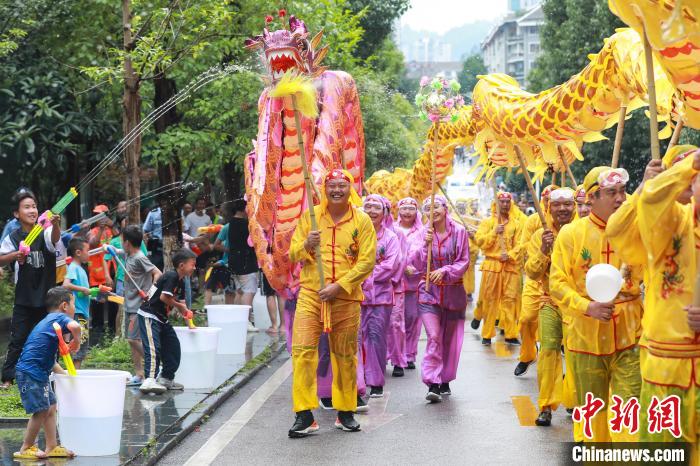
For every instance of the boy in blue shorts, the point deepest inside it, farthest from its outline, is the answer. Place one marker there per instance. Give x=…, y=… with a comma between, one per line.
x=77, y=281
x=37, y=361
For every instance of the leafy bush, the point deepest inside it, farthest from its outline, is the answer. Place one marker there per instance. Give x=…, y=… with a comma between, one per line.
x=7, y=296
x=110, y=353
x=11, y=404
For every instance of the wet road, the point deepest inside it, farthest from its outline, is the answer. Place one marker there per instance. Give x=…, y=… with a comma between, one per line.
x=489, y=418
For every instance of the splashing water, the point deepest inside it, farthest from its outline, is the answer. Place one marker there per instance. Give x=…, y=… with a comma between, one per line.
x=212, y=74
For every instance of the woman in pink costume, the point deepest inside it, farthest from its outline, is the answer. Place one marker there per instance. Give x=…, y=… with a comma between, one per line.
x=410, y=224
x=443, y=303
x=379, y=293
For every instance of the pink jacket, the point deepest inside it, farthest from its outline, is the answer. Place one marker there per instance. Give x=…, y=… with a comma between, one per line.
x=412, y=241
x=378, y=288
x=451, y=255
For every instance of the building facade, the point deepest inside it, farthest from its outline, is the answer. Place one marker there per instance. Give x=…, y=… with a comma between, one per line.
x=513, y=45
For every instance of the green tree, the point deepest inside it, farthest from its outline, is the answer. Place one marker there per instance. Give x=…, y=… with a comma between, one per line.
x=471, y=68
x=377, y=20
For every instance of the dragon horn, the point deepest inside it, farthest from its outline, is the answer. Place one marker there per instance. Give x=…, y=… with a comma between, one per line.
x=317, y=39
x=320, y=55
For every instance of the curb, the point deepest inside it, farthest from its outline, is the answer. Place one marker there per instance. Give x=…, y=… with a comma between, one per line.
x=13, y=421
x=152, y=452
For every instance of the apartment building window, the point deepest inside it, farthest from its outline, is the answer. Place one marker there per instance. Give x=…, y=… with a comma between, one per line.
x=534, y=48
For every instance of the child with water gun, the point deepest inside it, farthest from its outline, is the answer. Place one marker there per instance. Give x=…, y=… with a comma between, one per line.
x=36, y=362
x=77, y=281
x=160, y=343
x=35, y=272
x=139, y=275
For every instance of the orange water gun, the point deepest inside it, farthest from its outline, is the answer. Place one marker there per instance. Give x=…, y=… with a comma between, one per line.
x=64, y=351
x=210, y=229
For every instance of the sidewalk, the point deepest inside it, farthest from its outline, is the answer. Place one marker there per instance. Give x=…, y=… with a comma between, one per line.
x=151, y=421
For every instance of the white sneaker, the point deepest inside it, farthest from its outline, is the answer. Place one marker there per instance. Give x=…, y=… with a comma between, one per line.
x=252, y=328
x=151, y=386
x=170, y=384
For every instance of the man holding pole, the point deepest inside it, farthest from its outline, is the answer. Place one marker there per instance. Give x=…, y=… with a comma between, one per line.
x=345, y=243
x=670, y=350
x=560, y=212
x=532, y=292
x=497, y=237
x=602, y=337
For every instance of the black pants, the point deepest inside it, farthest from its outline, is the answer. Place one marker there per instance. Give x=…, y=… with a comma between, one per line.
x=97, y=312
x=24, y=319
x=160, y=346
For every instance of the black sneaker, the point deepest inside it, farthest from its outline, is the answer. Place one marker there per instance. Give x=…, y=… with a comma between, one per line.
x=433, y=394
x=497, y=321
x=544, y=419
x=411, y=365
x=475, y=324
x=521, y=368
x=512, y=341
x=397, y=372
x=486, y=341
x=304, y=425
x=445, y=389
x=376, y=392
x=362, y=406
x=503, y=332
x=570, y=411
x=346, y=421
x=326, y=403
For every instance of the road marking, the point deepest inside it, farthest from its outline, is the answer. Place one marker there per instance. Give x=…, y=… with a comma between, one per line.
x=525, y=409
x=227, y=432
x=377, y=416
x=502, y=350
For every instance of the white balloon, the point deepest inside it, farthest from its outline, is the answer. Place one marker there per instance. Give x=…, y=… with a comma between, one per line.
x=603, y=282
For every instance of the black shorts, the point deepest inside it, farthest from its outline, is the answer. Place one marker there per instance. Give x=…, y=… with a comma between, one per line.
x=203, y=260
x=267, y=290
x=219, y=279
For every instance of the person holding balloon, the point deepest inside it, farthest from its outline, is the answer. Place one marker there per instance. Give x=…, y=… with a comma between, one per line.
x=603, y=333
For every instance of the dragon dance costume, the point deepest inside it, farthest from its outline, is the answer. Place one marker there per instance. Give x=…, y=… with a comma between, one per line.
x=604, y=355
x=442, y=305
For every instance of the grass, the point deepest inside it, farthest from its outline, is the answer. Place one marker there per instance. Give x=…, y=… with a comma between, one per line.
x=109, y=353
x=11, y=404
x=257, y=360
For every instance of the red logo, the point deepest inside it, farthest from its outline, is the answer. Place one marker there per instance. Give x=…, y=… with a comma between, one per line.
x=665, y=415
x=625, y=415
x=586, y=412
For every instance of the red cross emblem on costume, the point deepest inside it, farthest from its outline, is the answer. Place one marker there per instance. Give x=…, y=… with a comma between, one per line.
x=665, y=415
x=586, y=412
x=624, y=415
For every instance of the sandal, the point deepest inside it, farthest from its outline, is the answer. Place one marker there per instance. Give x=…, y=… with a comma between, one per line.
x=31, y=453
x=60, y=451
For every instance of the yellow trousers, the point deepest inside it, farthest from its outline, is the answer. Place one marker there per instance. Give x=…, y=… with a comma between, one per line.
x=604, y=376
x=498, y=296
x=469, y=279
x=549, y=370
x=527, y=324
x=690, y=416
x=345, y=321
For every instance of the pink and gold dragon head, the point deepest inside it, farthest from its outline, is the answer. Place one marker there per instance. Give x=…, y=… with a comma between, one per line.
x=275, y=186
x=288, y=49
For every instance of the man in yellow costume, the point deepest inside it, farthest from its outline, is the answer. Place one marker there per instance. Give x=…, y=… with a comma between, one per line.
x=468, y=210
x=532, y=292
x=601, y=337
x=561, y=211
x=500, y=272
x=347, y=242
x=670, y=342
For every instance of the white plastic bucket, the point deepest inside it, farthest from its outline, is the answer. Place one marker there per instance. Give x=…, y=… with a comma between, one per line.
x=232, y=319
x=90, y=411
x=198, y=356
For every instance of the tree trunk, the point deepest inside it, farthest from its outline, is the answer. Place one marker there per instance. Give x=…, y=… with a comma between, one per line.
x=165, y=88
x=130, y=119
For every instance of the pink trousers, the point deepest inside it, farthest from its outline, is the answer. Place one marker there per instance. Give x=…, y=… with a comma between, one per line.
x=445, y=330
x=412, y=324
x=396, y=333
